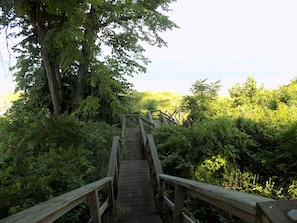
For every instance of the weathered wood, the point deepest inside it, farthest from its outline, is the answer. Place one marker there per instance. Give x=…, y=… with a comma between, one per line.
x=149, y=115
x=113, y=159
x=104, y=207
x=112, y=193
x=154, y=161
x=154, y=154
x=165, y=121
x=147, y=123
x=179, y=194
x=93, y=201
x=275, y=211
x=237, y=203
x=142, y=132
x=135, y=192
x=113, y=168
x=170, y=204
x=133, y=144
x=52, y=209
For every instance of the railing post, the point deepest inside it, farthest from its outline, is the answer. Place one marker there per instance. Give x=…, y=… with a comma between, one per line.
x=179, y=194
x=160, y=198
x=276, y=211
x=149, y=115
x=164, y=118
x=110, y=195
x=93, y=201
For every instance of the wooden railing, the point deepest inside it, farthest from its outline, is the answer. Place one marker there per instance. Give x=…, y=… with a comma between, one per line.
x=114, y=163
x=154, y=115
x=242, y=205
x=151, y=154
x=249, y=207
x=53, y=209
x=246, y=206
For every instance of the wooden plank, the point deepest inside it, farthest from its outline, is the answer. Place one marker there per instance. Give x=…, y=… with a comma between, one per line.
x=164, y=118
x=237, y=203
x=154, y=154
x=147, y=122
x=135, y=191
x=149, y=115
x=275, y=211
x=142, y=132
x=179, y=195
x=104, y=206
x=113, y=157
x=93, y=201
x=187, y=219
x=54, y=208
x=169, y=203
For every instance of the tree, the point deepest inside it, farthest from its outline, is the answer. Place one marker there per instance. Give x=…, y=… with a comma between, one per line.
x=247, y=92
x=82, y=49
x=288, y=93
x=198, y=104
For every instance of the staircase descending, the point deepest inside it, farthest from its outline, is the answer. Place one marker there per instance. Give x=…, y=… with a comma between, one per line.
x=135, y=192
x=131, y=179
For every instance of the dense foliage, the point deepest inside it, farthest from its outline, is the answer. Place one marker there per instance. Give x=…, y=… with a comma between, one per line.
x=42, y=157
x=141, y=102
x=245, y=142
x=74, y=55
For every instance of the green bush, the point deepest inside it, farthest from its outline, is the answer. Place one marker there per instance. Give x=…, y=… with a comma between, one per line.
x=42, y=157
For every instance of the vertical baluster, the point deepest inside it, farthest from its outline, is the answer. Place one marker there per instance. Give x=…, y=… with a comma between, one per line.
x=94, y=207
x=179, y=195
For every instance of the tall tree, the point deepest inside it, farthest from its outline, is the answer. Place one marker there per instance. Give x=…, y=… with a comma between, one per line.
x=84, y=48
x=247, y=92
x=198, y=104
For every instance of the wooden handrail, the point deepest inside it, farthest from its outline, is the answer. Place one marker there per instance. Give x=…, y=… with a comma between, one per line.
x=163, y=117
x=154, y=162
x=147, y=123
x=150, y=116
x=150, y=150
x=246, y=206
x=249, y=207
x=142, y=132
x=240, y=204
x=114, y=165
x=53, y=209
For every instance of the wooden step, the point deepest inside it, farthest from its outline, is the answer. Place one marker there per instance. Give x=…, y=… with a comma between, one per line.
x=135, y=193
x=133, y=144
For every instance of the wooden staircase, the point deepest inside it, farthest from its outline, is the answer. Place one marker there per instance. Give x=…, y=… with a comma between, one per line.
x=135, y=192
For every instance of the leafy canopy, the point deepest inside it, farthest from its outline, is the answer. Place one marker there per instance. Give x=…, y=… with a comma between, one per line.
x=71, y=50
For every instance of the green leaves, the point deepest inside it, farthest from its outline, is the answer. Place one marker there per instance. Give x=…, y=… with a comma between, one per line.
x=42, y=157
x=198, y=105
x=76, y=49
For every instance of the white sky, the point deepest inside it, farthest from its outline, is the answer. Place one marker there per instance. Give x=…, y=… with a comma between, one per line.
x=227, y=40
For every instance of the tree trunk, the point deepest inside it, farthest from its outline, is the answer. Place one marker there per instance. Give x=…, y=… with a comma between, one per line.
x=52, y=82
x=89, y=40
x=49, y=65
x=82, y=77
x=64, y=101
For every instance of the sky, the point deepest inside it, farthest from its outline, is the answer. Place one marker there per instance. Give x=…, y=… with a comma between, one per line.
x=219, y=40
x=225, y=40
